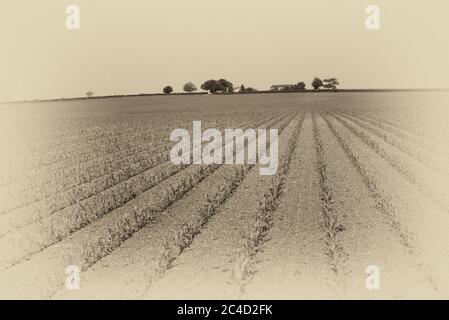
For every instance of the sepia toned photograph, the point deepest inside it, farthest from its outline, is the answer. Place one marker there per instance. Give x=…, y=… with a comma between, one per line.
x=238, y=150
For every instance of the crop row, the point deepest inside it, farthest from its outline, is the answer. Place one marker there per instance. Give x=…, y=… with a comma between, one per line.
x=136, y=166
x=73, y=182
x=98, y=239
x=331, y=223
x=129, y=131
x=95, y=132
x=85, y=172
x=243, y=261
x=35, y=166
x=182, y=238
x=63, y=158
x=21, y=217
x=393, y=161
x=430, y=145
x=383, y=200
x=56, y=227
x=425, y=186
x=87, y=158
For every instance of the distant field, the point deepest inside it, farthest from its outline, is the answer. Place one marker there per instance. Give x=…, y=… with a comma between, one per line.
x=363, y=180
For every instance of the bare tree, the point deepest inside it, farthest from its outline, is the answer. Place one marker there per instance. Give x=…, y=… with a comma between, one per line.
x=189, y=87
x=331, y=83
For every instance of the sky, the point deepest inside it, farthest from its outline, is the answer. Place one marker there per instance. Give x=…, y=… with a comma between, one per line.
x=140, y=46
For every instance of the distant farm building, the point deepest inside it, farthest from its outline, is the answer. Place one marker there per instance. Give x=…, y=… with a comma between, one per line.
x=280, y=87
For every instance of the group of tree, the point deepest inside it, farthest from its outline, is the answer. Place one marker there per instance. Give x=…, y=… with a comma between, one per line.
x=221, y=85
x=330, y=83
x=212, y=86
x=300, y=86
x=244, y=89
x=189, y=87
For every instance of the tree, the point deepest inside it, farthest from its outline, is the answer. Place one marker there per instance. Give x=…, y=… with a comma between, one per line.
x=89, y=94
x=167, y=90
x=226, y=85
x=212, y=86
x=331, y=83
x=249, y=89
x=301, y=86
x=189, y=87
x=317, y=83
x=222, y=85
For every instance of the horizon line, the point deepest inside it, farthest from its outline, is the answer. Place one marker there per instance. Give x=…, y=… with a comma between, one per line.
x=224, y=93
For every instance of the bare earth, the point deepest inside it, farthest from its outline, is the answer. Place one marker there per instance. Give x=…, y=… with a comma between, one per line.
x=363, y=181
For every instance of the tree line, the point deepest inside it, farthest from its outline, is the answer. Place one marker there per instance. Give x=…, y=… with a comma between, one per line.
x=225, y=86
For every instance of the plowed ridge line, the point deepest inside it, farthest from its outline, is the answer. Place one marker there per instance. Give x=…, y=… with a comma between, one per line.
x=77, y=177
x=39, y=276
x=139, y=145
x=293, y=264
x=331, y=220
x=138, y=260
x=426, y=181
x=405, y=207
x=263, y=222
x=427, y=143
x=436, y=162
x=367, y=236
x=34, y=238
x=204, y=269
x=22, y=217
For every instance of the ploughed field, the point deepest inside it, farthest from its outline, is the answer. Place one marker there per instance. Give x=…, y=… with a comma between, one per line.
x=359, y=207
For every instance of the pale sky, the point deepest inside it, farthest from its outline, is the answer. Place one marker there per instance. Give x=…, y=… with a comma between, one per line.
x=140, y=46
